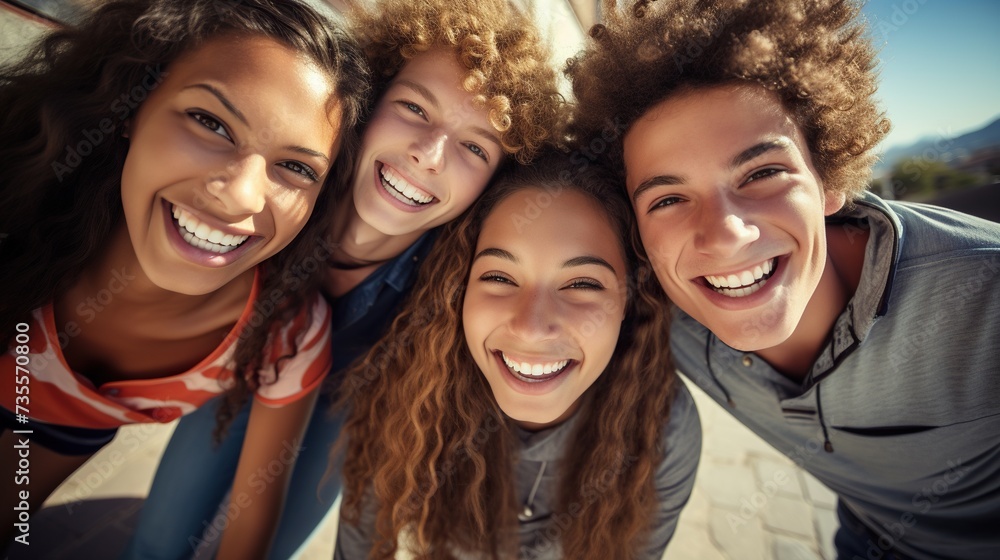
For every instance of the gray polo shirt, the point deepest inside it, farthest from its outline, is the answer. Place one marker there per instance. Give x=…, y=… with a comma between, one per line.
x=539, y=535
x=900, y=414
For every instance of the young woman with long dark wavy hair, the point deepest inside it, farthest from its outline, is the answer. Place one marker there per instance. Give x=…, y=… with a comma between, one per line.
x=161, y=163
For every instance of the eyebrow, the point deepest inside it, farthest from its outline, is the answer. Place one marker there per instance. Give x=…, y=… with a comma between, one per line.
x=426, y=93
x=576, y=261
x=222, y=99
x=758, y=149
x=498, y=253
x=581, y=261
x=739, y=159
x=239, y=115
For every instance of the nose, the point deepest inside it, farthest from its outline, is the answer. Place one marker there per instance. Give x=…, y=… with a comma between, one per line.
x=534, y=316
x=427, y=151
x=723, y=229
x=242, y=187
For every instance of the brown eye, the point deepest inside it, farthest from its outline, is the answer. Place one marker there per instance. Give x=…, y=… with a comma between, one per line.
x=301, y=169
x=211, y=123
x=586, y=284
x=497, y=278
x=762, y=174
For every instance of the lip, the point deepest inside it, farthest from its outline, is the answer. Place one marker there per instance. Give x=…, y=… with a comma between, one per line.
x=544, y=384
x=199, y=256
x=377, y=184
x=746, y=302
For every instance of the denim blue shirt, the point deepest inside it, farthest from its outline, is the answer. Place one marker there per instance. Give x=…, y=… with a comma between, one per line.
x=362, y=315
x=900, y=414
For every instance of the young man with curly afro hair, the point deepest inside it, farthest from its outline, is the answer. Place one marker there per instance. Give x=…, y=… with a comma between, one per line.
x=856, y=335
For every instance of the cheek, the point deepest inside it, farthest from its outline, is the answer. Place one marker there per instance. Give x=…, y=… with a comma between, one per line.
x=383, y=126
x=291, y=208
x=598, y=325
x=660, y=251
x=466, y=188
x=472, y=316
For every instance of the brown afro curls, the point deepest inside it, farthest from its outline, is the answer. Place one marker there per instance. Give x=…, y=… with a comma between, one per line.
x=508, y=64
x=815, y=55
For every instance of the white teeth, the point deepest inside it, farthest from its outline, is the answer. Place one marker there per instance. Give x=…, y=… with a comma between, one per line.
x=524, y=368
x=412, y=194
x=201, y=235
x=743, y=283
x=742, y=292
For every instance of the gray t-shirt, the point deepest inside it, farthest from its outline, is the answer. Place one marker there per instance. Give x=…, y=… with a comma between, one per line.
x=540, y=534
x=900, y=414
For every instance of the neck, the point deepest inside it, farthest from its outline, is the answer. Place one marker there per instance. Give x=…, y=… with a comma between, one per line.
x=359, y=249
x=118, y=272
x=841, y=275
x=357, y=242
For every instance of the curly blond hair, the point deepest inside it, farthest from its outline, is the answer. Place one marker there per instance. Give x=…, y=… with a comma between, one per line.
x=507, y=62
x=815, y=55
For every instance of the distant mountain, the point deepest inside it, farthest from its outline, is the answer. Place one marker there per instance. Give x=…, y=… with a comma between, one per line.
x=942, y=148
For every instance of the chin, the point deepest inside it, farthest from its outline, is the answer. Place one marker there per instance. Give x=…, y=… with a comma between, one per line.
x=753, y=337
x=523, y=414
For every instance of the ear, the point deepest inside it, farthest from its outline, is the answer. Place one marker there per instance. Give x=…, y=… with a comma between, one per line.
x=833, y=202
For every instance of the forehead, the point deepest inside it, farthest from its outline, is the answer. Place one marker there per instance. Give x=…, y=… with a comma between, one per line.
x=437, y=64
x=721, y=120
x=717, y=109
x=273, y=84
x=239, y=57
x=437, y=76
x=538, y=222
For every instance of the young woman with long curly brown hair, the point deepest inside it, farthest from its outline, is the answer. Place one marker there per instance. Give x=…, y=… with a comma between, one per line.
x=158, y=163
x=463, y=88
x=524, y=403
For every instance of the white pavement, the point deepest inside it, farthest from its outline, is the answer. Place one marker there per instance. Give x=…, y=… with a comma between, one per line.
x=749, y=501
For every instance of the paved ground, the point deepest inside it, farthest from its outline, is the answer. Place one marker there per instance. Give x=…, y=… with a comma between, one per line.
x=749, y=501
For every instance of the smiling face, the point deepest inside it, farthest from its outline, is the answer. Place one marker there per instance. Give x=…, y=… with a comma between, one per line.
x=226, y=158
x=544, y=304
x=427, y=152
x=730, y=210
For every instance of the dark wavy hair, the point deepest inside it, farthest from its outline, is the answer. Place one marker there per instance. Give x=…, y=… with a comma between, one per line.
x=430, y=444
x=75, y=81
x=814, y=55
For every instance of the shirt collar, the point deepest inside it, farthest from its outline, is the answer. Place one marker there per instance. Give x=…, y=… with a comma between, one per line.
x=871, y=299
x=398, y=274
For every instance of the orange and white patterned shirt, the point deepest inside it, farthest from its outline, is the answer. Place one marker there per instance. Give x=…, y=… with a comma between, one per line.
x=57, y=395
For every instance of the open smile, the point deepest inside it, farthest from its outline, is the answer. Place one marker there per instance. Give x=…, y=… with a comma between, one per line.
x=203, y=243
x=743, y=283
x=203, y=236
x=535, y=372
x=402, y=190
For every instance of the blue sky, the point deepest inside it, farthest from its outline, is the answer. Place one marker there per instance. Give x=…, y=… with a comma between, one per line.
x=940, y=72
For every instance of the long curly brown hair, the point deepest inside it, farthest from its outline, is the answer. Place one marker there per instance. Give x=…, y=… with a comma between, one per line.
x=58, y=217
x=814, y=54
x=428, y=442
x=508, y=64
